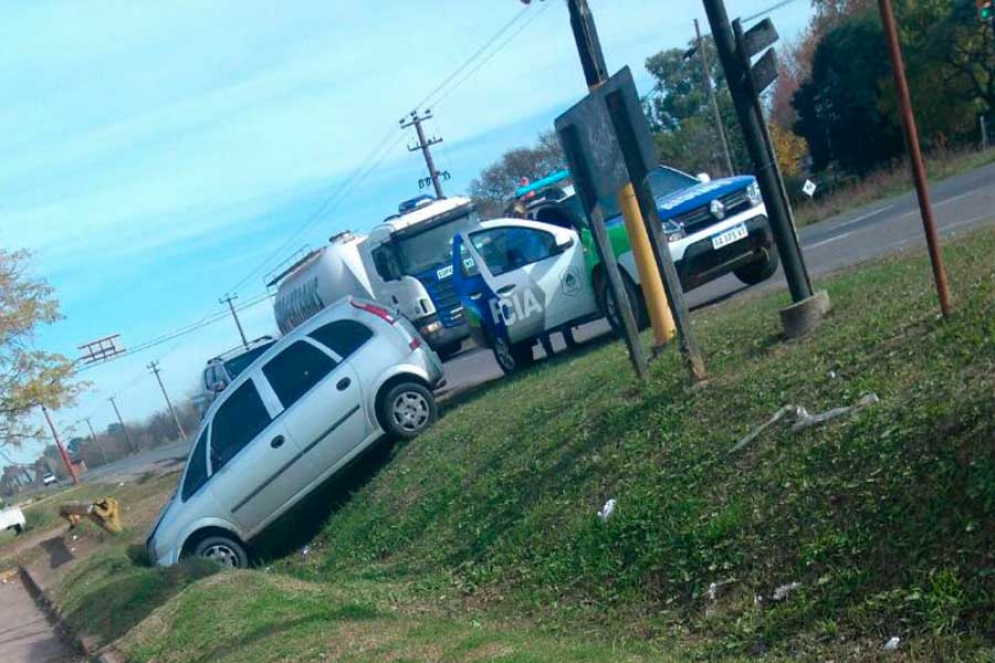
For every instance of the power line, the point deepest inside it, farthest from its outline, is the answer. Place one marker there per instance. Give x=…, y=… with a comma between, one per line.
x=770, y=9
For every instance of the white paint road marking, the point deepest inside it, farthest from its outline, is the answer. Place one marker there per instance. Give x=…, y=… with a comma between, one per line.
x=868, y=215
x=830, y=240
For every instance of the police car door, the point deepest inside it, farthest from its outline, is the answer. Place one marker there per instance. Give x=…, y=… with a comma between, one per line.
x=524, y=266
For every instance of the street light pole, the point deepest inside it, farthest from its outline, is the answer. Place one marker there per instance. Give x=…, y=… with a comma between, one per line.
x=707, y=80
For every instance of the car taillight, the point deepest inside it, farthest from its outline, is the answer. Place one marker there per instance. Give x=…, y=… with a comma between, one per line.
x=378, y=311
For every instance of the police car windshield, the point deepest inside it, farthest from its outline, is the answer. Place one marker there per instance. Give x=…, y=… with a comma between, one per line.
x=666, y=181
x=433, y=247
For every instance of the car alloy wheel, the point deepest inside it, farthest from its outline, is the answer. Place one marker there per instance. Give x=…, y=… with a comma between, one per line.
x=504, y=357
x=411, y=411
x=223, y=554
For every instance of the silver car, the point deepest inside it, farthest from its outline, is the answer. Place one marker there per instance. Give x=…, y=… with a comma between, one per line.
x=305, y=408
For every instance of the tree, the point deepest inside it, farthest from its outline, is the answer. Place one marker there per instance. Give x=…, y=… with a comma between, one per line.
x=680, y=113
x=494, y=187
x=838, y=106
x=28, y=377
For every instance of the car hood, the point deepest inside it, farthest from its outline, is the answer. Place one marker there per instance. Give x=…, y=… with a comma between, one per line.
x=699, y=194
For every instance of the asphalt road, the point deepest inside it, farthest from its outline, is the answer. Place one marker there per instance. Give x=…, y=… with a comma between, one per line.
x=959, y=203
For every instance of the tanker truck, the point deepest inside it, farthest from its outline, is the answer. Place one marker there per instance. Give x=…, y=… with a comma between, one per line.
x=404, y=262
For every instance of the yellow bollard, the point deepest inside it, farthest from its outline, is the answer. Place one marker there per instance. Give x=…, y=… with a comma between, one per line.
x=649, y=276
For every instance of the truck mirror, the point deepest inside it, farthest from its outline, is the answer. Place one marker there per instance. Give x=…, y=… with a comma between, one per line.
x=704, y=178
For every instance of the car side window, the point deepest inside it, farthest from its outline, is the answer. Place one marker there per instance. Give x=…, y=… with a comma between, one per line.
x=343, y=337
x=468, y=266
x=297, y=369
x=196, y=475
x=506, y=249
x=239, y=419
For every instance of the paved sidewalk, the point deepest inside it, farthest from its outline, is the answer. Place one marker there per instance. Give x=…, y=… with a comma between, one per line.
x=26, y=635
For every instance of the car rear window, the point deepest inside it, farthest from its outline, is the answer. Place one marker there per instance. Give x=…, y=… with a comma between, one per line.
x=343, y=337
x=239, y=419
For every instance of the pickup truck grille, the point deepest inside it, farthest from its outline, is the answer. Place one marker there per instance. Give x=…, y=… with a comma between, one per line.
x=701, y=217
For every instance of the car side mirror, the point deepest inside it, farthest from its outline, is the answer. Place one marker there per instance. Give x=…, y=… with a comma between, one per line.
x=704, y=178
x=564, y=243
x=218, y=387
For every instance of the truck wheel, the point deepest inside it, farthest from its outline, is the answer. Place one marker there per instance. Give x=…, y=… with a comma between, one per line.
x=406, y=410
x=606, y=303
x=513, y=357
x=224, y=550
x=761, y=270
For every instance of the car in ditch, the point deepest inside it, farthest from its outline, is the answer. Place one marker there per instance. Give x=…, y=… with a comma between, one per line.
x=350, y=375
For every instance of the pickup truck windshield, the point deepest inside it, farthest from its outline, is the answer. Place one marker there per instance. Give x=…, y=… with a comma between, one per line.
x=433, y=247
x=665, y=181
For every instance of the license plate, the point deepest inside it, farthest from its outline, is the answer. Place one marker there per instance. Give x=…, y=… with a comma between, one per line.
x=734, y=234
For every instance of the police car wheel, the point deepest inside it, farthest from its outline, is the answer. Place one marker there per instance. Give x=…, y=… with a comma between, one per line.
x=610, y=310
x=512, y=357
x=759, y=271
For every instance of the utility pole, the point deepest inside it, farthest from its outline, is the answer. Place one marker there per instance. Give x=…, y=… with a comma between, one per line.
x=62, y=449
x=808, y=308
x=915, y=154
x=707, y=80
x=425, y=145
x=230, y=299
x=592, y=60
x=127, y=435
x=93, y=436
x=154, y=367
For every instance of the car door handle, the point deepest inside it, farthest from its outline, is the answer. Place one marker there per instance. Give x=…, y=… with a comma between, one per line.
x=474, y=296
x=277, y=442
x=505, y=289
x=343, y=384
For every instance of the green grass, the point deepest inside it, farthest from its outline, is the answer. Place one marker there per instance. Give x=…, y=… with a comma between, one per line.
x=479, y=541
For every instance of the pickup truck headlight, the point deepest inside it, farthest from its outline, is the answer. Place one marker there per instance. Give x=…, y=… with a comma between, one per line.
x=674, y=231
x=753, y=193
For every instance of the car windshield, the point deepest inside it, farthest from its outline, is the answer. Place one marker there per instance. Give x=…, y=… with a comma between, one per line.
x=434, y=246
x=236, y=365
x=665, y=181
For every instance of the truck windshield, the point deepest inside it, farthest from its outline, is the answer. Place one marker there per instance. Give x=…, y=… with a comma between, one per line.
x=433, y=247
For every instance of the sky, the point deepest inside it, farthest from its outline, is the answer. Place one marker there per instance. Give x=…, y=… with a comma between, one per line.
x=161, y=155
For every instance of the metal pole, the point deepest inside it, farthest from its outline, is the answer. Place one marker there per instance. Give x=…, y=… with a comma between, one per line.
x=984, y=132
x=154, y=367
x=230, y=301
x=127, y=435
x=596, y=73
x=62, y=450
x=707, y=76
x=764, y=165
x=93, y=435
x=915, y=154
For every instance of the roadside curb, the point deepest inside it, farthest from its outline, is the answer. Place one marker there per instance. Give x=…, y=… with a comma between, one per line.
x=84, y=644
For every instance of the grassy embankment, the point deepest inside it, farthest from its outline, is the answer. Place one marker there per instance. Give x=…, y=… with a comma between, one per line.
x=887, y=183
x=479, y=541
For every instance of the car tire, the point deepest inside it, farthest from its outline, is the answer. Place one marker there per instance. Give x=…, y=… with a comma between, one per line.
x=406, y=410
x=760, y=270
x=513, y=357
x=224, y=550
x=606, y=303
x=18, y=528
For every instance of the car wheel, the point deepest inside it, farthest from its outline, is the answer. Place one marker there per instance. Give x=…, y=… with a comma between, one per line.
x=513, y=357
x=758, y=271
x=407, y=410
x=224, y=550
x=609, y=309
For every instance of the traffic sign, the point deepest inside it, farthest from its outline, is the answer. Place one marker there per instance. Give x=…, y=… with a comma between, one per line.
x=809, y=188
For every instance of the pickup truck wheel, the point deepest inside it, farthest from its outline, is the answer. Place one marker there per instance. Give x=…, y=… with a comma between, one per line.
x=513, y=357
x=224, y=550
x=406, y=410
x=606, y=303
x=761, y=270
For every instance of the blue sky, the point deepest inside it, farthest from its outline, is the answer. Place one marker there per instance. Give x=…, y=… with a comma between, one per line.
x=157, y=154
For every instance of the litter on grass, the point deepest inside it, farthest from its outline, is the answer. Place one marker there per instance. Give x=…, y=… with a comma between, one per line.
x=892, y=643
x=804, y=419
x=782, y=592
x=607, y=510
